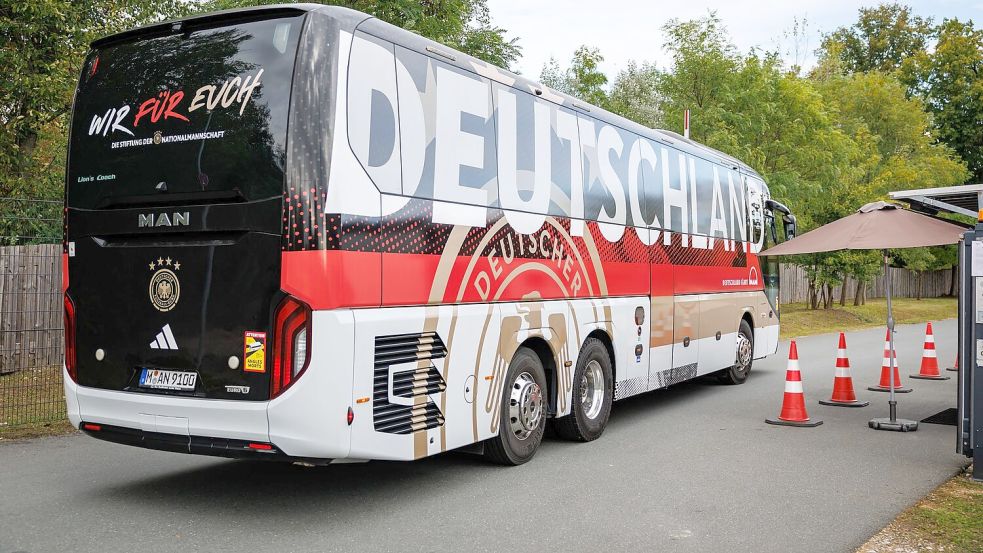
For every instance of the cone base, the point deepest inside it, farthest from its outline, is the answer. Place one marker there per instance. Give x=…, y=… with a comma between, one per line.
x=854, y=403
x=807, y=424
x=953, y=369
x=897, y=425
x=896, y=390
x=923, y=377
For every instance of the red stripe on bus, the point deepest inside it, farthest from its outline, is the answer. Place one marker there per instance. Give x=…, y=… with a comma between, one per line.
x=329, y=279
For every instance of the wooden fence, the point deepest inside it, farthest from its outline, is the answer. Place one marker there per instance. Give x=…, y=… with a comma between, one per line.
x=31, y=307
x=904, y=284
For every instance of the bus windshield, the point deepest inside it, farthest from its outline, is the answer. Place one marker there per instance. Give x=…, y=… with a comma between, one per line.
x=196, y=115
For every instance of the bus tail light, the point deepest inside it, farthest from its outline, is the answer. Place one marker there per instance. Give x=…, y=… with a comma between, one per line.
x=291, y=343
x=70, y=339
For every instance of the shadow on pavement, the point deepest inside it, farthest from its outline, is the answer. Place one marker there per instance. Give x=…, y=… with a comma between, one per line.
x=255, y=487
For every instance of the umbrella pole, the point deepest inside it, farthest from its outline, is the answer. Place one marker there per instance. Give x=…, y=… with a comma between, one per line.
x=893, y=422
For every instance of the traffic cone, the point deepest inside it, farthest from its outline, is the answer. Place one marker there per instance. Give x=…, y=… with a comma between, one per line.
x=793, y=403
x=843, y=395
x=930, y=363
x=885, y=384
x=955, y=366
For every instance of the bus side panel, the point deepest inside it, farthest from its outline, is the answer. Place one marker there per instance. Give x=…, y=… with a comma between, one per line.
x=660, y=339
x=446, y=352
x=458, y=355
x=766, y=329
x=720, y=317
x=309, y=419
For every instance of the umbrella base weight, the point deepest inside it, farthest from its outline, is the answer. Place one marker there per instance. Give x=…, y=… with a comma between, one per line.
x=844, y=403
x=920, y=377
x=896, y=390
x=806, y=424
x=896, y=425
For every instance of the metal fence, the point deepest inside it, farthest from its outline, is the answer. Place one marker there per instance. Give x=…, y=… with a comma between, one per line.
x=31, y=313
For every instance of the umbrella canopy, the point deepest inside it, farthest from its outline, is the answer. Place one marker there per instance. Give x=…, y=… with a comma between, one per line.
x=875, y=226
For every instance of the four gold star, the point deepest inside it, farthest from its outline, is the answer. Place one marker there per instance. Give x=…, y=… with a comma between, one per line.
x=161, y=261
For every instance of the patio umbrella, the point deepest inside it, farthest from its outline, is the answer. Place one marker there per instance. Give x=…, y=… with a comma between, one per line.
x=877, y=226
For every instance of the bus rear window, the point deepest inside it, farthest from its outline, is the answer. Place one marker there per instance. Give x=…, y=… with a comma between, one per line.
x=201, y=114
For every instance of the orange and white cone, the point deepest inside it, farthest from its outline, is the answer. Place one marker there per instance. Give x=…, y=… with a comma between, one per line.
x=793, y=403
x=885, y=383
x=929, y=369
x=955, y=366
x=843, y=394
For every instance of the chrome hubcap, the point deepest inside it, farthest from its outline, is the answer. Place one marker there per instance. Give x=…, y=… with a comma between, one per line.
x=592, y=389
x=744, y=352
x=525, y=406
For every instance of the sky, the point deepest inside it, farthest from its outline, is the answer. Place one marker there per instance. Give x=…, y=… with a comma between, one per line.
x=631, y=29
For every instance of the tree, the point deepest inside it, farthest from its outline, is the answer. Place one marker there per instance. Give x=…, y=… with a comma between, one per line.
x=42, y=47
x=903, y=153
x=635, y=94
x=554, y=76
x=583, y=79
x=704, y=61
x=882, y=39
x=461, y=24
x=951, y=81
x=862, y=266
x=917, y=260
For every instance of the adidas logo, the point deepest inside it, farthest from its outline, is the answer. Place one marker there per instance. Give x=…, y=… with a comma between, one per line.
x=165, y=339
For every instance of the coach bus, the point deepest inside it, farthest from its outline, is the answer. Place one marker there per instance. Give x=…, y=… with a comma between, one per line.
x=301, y=233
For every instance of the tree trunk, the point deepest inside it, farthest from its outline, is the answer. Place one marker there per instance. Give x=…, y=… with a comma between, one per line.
x=954, y=281
x=828, y=300
x=813, y=299
x=843, y=293
x=856, y=296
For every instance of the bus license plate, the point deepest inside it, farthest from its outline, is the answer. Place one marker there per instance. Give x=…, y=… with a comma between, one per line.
x=168, y=380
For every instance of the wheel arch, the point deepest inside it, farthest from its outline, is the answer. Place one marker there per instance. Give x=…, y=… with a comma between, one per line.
x=547, y=357
x=605, y=339
x=747, y=316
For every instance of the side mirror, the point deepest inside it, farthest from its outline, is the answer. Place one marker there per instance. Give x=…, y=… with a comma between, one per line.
x=772, y=228
x=790, y=226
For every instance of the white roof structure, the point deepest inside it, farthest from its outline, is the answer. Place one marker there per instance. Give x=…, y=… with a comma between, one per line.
x=966, y=199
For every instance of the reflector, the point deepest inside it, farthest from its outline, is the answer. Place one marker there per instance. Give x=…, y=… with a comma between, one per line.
x=70, y=338
x=291, y=336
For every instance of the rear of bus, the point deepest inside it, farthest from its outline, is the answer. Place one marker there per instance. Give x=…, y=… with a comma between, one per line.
x=178, y=335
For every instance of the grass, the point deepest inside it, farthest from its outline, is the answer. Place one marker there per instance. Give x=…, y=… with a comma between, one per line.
x=32, y=403
x=799, y=320
x=949, y=519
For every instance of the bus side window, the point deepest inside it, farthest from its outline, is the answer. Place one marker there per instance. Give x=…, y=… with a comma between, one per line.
x=447, y=137
x=373, y=129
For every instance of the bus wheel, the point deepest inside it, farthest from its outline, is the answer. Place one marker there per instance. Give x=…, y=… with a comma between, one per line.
x=738, y=373
x=522, y=417
x=593, y=393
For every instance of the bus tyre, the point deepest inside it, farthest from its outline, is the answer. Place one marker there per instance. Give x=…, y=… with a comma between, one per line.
x=738, y=373
x=593, y=393
x=522, y=418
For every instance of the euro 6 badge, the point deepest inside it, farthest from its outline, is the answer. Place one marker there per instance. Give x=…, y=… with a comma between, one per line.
x=254, y=352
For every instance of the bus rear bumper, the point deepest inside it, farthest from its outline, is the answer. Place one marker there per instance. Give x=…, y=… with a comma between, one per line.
x=307, y=422
x=239, y=420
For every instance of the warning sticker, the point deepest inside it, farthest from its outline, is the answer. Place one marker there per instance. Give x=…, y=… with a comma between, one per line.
x=254, y=352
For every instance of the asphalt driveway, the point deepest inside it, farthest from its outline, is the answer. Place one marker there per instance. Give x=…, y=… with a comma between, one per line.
x=692, y=468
